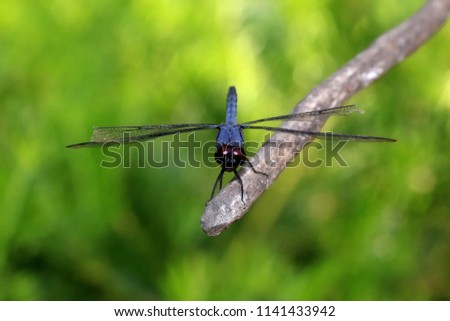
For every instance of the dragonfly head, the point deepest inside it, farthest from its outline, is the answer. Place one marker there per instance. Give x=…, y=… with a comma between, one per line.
x=230, y=157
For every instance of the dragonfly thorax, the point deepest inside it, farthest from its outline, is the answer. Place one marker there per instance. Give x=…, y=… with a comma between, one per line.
x=230, y=157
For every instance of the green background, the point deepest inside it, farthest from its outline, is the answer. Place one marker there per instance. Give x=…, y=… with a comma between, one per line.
x=72, y=230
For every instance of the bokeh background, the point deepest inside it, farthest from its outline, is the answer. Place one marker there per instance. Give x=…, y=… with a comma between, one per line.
x=72, y=230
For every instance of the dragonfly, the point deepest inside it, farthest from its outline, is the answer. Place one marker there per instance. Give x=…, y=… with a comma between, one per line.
x=230, y=153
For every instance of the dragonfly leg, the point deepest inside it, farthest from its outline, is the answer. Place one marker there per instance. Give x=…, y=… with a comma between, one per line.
x=254, y=170
x=240, y=182
x=218, y=180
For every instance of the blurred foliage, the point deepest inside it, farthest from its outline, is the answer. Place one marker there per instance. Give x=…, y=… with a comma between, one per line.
x=72, y=230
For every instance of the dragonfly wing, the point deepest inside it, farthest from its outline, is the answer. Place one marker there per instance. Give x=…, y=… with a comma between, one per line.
x=132, y=134
x=117, y=133
x=324, y=135
x=311, y=115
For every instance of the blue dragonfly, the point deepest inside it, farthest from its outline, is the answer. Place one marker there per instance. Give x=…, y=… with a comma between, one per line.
x=230, y=153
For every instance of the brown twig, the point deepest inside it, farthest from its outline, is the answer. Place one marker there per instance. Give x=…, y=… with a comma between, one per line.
x=387, y=51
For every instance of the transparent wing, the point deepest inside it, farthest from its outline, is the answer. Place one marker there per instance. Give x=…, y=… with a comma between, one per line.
x=324, y=135
x=310, y=115
x=131, y=134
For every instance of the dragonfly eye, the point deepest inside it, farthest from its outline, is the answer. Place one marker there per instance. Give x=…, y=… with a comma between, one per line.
x=230, y=157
